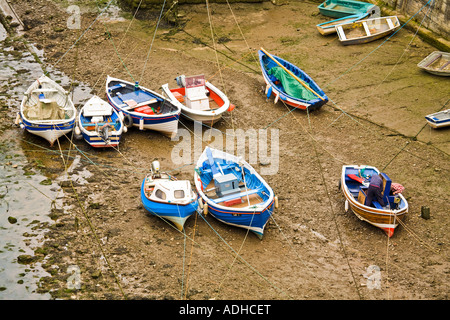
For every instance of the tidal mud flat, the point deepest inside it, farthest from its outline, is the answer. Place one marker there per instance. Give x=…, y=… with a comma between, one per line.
x=312, y=248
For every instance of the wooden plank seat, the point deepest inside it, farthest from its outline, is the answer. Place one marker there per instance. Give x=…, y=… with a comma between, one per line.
x=236, y=195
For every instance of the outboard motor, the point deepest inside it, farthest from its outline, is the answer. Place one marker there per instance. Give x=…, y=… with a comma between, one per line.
x=104, y=133
x=181, y=80
x=155, y=169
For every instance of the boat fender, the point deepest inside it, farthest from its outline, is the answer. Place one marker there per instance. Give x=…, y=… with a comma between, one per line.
x=268, y=91
x=121, y=115
x=277, y=96
x=200, y=203
x=77, y=130
x=346, y=205
x=77, y=133
x=17, y=121
x=128, y=120
x=141, y=124
x=205, y=209
x=125, y=129
x=276, y=202
x=22, y=126
x=231, y=107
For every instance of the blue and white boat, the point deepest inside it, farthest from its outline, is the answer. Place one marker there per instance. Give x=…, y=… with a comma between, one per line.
x=99, y=124
x=142, y=107
x=439, y=119
x=167, y=198
x=232, y=191
x=46, y=110
x=289, y=83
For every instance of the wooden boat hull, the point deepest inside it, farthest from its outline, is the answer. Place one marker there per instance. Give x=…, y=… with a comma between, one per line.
x=209, y=117
x=165, y=122
x=253, y=217
x=60, y=115
x=175, y=213
x=367, y=30
x=383, y=218
x=343, y=8
x=90, y=131
x=278, y=91
x=437, y=62
x=439, y=119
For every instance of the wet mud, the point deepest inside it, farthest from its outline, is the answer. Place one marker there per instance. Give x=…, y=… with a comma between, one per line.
x=312, y=248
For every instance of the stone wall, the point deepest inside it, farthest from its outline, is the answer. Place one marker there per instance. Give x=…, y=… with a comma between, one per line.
x=437, y=13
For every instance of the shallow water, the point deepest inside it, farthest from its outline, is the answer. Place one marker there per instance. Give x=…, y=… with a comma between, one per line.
x=25, y=203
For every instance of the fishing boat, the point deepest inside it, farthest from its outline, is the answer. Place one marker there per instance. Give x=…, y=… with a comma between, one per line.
x=142, y=107
x=198, y=99
x=165, y=197
x=232, y=191
x=289, y=83
x=354, y=184
x=439, y=119
x=437, y=62
x=99, y=124
x=329, y=27
x=367, y=30
x=343, y=8
x=46, y=110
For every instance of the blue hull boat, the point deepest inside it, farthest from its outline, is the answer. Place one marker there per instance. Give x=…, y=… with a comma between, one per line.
x=46, y=110
x=439, y=119
x=99, y=124
x=232, y=191
x=142, y=107
x=303, y=94
x=167, y=198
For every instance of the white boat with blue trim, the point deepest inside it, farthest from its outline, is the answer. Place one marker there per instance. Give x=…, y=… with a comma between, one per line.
x=99, y=123
x=142, y=107
x=439, y=119
x=47, y=110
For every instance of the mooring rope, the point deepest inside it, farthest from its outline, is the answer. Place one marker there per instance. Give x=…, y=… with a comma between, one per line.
x=378, y=47
x=92, y=228
x=119, y=45
x=151, y=44
x=331, y=208
x=81, y=36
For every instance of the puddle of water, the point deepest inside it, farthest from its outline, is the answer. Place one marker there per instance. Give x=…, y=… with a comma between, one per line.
x=25, y=203
x=24, y=214
x=3, y=33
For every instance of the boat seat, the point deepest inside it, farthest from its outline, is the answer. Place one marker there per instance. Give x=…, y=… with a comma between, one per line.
x=236, y=196
x=115, y=87
x=377, y=204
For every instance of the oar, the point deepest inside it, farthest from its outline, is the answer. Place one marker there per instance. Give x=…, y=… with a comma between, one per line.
x=293, y=75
